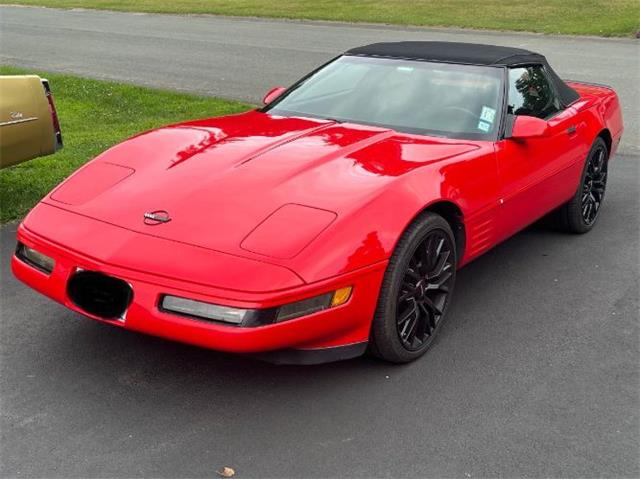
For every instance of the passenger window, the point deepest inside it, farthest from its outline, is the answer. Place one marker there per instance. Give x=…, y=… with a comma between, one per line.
x=530, y=93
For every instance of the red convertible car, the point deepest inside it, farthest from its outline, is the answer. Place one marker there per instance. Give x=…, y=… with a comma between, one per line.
x=333, y=219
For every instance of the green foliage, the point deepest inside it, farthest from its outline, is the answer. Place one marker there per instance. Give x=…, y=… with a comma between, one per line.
x=95, y=115
x=580, y=17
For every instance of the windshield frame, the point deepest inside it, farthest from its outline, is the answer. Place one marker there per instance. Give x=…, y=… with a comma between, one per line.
x=496, y=135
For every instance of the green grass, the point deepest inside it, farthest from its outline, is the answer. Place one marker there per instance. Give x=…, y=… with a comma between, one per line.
x=580, y=17
x=95, y=115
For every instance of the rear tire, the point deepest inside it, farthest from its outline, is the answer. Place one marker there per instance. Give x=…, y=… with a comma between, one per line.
x=416, y=291
x=580, y=214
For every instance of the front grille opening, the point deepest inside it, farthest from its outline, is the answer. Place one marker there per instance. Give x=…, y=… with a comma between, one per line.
x=100, y=295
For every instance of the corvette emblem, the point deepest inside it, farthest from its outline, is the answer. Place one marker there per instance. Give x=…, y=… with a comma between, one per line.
x=157, y=217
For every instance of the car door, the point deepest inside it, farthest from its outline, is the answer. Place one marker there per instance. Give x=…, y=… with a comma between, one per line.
x=536, y=174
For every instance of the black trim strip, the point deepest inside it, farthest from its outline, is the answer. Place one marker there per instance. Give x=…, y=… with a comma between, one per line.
x=20, y=255
x=314, y=356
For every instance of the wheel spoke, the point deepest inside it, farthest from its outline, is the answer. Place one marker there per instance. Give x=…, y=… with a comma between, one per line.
x=600, y=160
x=586, y=211
x=594, y=185
x=430, y=322
x=412, y=336
x=432, y=306
x=409, y=329
x=405, y=296
x=439, y=284
x=424, y=289
x=441, y=264
x=427, y=252
x=407, y=314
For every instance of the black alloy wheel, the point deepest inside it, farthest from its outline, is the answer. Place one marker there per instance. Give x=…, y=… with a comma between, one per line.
x=416, y=290
x=580, y=213
x=594, y=184
x=425, y=290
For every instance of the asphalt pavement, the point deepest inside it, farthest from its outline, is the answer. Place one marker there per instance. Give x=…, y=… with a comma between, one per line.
x=536, y=373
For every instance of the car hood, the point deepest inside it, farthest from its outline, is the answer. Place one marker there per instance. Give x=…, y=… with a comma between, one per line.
x=211, y=183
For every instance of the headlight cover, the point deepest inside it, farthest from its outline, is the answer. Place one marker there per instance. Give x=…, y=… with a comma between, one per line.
x=209, y=311
x=34, y=258
x=254, y=317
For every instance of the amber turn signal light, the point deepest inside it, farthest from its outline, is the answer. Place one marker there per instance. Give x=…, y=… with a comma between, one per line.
x=341, y=296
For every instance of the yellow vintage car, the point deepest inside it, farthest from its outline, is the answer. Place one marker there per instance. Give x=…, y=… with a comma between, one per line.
x=29, y=126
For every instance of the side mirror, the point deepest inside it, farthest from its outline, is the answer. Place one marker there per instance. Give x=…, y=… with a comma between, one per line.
x=528, y=127
x=272, y=94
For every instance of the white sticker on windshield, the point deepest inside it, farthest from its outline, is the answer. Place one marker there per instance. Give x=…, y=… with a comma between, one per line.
x=484, y=126
x=488, y=114
x=405, y=69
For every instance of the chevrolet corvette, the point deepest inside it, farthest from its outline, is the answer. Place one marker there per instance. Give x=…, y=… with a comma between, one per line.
x=332, y=220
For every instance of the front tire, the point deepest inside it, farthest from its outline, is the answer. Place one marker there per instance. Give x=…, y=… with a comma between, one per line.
x=580, y=214
x=416, y=291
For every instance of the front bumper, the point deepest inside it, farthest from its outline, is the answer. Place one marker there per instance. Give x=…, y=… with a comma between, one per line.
x=339, y=332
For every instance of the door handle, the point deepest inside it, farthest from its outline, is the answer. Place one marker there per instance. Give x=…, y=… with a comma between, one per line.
x=571, y=130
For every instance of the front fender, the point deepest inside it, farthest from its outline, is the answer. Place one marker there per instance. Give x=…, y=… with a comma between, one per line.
x=368, y=232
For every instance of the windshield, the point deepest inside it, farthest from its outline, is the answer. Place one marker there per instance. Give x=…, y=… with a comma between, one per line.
x=450, y=100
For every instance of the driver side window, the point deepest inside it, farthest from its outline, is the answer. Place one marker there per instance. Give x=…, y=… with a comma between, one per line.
x=530, y=93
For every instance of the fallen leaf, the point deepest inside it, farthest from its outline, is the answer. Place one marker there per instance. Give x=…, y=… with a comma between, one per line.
x=226, y=472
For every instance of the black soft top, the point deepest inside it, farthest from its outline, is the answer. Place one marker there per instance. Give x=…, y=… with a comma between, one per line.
x=467, y=53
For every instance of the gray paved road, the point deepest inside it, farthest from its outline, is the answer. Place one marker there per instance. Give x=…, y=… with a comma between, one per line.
x=243, y=58
x=536, y=374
